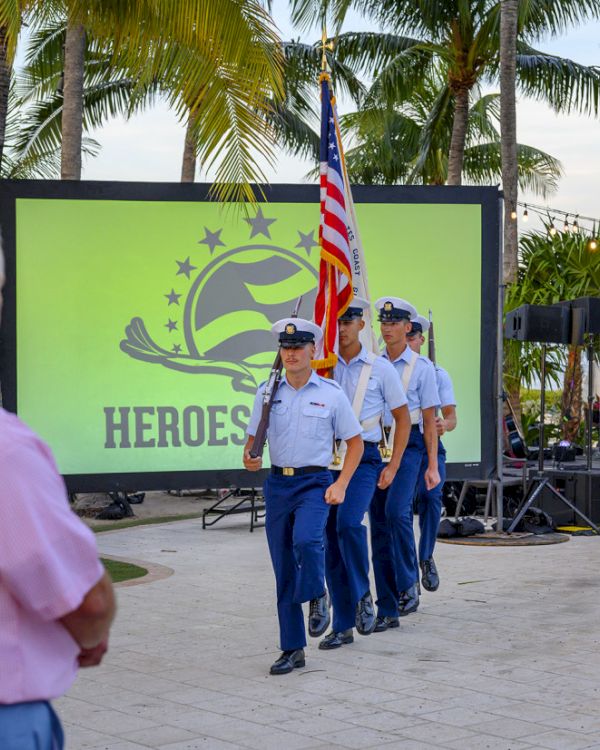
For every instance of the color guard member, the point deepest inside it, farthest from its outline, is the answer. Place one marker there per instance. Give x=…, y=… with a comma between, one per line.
x=307, y=414
x=391, y=512
x=371, y=383
x=429, y=502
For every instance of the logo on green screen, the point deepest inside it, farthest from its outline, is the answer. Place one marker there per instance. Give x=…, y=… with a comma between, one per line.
x=221, y=325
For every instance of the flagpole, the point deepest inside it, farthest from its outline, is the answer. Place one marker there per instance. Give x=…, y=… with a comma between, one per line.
x=363, y=288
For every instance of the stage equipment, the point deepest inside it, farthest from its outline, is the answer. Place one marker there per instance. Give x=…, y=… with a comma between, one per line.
x=549, y=324
x=541, y=481
x=154, y=391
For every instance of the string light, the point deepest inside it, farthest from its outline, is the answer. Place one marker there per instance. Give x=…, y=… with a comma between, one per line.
x=513, y=213
x=593, y=245
x=549, y=217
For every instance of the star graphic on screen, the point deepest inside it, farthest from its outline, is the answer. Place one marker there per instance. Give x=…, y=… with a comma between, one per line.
x=260, y=224
x=185, y=267
x=171, y=325
x=307, y=241
x=176, y=349
x=173, y=297
x=212, y=239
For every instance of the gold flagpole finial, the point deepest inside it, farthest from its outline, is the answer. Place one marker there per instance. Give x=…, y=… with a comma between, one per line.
x=325, y=45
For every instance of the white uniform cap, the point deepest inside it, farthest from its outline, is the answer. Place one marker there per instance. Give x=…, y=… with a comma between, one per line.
x=421, y=322
x=296, y=332
x=355, y=309
x=394, y=308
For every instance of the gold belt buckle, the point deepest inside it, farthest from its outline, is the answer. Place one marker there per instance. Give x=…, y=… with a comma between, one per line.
x=288, y=471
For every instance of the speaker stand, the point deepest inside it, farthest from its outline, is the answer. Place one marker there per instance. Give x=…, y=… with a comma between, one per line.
x=540, y=480
x=538, y=483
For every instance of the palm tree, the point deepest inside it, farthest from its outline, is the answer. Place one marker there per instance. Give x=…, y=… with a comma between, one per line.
x=508, y=128
x=222, y=55
x=294, y=118
x=38, y=103
x=397, y=145
x=463, y=36
x=72, y=111
x=550, y=270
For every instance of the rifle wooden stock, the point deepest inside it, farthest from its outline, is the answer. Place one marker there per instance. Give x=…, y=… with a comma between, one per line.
x=260, y=438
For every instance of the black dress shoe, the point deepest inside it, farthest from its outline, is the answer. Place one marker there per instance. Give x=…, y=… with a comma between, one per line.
x=288, y=661
x=385, y=623
x=409, y=600
x=335, y=640
x=429, y=575
x=318, y=616
x=365, y=615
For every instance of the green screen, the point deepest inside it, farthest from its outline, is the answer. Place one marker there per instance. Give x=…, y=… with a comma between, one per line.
x=143, y=326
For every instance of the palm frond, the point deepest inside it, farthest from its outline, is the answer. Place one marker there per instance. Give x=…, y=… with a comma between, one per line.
x=10, y=23
x=537, y=18
x=294, y=132
x=564, y=84
x=369, y=51
x=538, y=171
x=435, y=137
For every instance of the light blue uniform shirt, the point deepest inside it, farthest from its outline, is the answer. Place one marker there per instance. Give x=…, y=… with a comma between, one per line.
x=445, y=387
x=304, y=422
x=384, y=388
x=422, y=392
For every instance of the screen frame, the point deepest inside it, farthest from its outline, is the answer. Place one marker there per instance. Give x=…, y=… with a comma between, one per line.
x=489, y=198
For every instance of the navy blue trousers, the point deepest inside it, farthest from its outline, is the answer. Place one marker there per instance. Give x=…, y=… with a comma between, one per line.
x=30, y=726
x=429, y=506
x=347, y=551
x=392, y=537
x=296, y=514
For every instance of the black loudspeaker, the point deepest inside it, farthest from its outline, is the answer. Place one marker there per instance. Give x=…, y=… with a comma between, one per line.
x=574, y=486
x=585, y=318
x=584, y=313
x=548, y=324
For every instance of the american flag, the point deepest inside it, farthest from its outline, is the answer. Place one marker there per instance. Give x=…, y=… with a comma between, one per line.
x=335, y=271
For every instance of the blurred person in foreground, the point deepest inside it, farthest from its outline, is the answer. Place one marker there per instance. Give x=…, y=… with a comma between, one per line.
x=56, y=600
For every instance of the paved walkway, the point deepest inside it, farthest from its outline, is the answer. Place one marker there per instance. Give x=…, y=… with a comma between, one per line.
x=505, y=655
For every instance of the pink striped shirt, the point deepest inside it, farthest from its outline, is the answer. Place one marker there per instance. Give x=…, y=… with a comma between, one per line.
x=48, y=562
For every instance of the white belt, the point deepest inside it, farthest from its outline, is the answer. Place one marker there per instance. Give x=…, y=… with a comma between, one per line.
x=415, y=416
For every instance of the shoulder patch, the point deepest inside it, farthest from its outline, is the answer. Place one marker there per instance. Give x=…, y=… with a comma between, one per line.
x=330, y=381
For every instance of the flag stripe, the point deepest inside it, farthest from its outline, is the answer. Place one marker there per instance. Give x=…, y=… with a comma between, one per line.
x=335, y=271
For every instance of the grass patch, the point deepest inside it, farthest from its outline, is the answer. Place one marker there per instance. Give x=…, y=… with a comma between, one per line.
x=128, y=523
x=122, y=571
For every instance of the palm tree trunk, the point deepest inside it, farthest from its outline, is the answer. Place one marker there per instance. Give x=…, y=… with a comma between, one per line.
x=188, y=165
x=5, y=71
x=72, y=114
x=459, y=136
x=571, y=403
x=508, y=129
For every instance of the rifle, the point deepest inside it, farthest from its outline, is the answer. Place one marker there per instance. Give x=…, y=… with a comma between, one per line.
x=260, y=438
x=431, y=340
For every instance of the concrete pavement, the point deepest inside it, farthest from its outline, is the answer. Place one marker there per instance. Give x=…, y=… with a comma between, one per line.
x=504, y=656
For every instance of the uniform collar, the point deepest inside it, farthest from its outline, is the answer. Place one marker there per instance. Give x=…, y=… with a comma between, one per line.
x=362, y=356
x=406, y=355
x=314, y=379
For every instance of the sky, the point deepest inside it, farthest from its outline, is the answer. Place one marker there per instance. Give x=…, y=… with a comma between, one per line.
x=149, y=146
